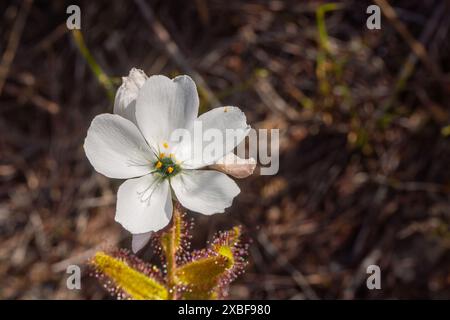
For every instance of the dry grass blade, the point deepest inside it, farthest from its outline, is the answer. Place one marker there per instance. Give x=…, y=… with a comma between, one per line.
x=298, y=277
x=13, y=43
x=175, y=53
x=416, y=46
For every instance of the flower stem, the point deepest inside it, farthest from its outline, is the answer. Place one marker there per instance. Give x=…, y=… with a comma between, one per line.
x=102, y=78
x=170, y=242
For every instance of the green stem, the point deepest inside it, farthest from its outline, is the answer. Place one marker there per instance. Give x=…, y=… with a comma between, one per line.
x=170, y=242
x=102, y=77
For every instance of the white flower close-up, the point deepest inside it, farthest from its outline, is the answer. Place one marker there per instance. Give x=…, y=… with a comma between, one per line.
x=135, y=143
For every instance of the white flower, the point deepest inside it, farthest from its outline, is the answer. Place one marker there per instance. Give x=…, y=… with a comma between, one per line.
x=135, y=144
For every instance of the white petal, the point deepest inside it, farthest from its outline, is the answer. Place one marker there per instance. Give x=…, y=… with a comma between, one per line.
x=125, y=101
x=164, y=105
x=228, y=122
x=235, y=166
x=144, y=204
x=140, y=240
x=204, y=191
x=116, y=148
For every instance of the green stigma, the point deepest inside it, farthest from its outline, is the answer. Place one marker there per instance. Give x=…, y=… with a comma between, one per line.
x=166, y=166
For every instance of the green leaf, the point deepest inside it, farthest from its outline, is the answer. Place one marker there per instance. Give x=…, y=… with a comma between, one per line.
x=128, y=280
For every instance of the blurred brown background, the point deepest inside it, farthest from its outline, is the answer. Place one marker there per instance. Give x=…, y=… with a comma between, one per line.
x=364, y=124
